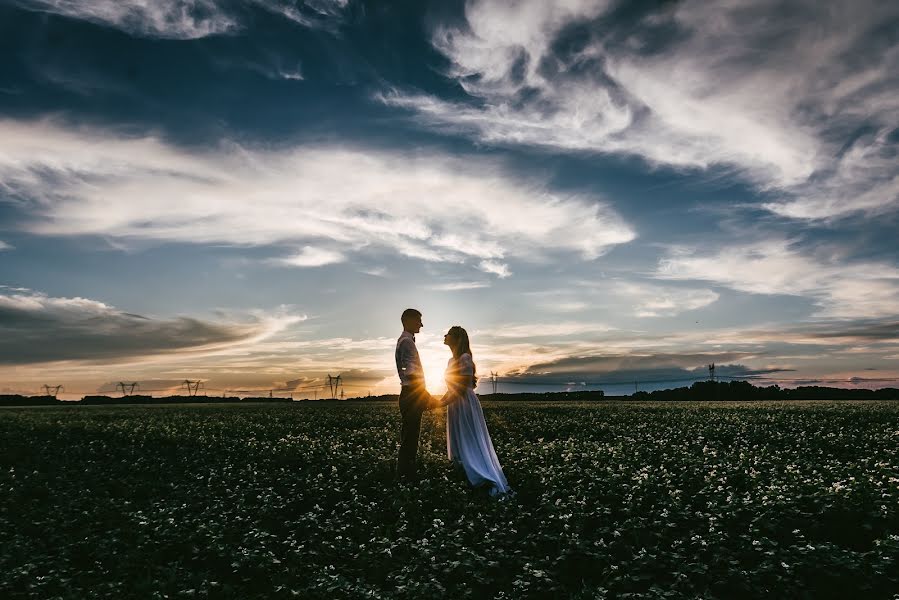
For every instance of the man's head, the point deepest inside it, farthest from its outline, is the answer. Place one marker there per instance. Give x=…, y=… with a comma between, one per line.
x=411, y=320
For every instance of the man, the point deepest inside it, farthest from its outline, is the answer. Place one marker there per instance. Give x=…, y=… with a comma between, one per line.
x=414, y=396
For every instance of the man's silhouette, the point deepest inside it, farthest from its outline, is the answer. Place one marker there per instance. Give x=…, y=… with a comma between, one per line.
x=414, y=397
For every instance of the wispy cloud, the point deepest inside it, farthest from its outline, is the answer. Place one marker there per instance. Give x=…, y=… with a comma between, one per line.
x=37, y=328
x=417, y=204
x=189, y=19
x=314, y=14
x=173, y=19
x=501, y=270
x=777, y=99
x=5, y=246
x=865, y=179
x=627, y=368
x=312, y=257
x=651, y=300
x=460, y=285
x=538, y=330
x=841, y=289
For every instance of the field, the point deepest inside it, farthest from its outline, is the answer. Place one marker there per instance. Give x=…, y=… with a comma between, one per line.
x=614, y=500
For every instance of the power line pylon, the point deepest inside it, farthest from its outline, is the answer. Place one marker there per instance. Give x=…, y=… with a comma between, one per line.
x=55, y=389
x=334, y=383
x=712, y=372
x=130, y=387
x=193, y=386
x=493, y=376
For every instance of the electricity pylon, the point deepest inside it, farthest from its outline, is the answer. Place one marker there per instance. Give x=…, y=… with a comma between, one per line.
x=193, y=386
x=334, y=383
x=55, y=389
x=130, y=387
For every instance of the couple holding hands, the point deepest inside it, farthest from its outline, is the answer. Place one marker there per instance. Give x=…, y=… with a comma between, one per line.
x=467, y=439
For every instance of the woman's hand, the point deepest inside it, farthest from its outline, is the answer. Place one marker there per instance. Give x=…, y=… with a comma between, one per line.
x=447, y=399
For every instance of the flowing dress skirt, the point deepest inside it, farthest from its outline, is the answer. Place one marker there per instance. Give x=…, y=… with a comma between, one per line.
x=468, y=444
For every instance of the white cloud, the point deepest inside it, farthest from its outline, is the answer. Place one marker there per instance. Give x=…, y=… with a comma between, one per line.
x=840, y=289
x=501, y=270
x=174, y=19
x=315, y=14
x=5, y=246
x=566, y=306
x=293, y=75
x=312, y=257
x=460, y=285
x=864, y=180
x=660, y=301
x=37, y=328
x=189, y=19
x=425, y=205
x=776, y=99
x=543, y=330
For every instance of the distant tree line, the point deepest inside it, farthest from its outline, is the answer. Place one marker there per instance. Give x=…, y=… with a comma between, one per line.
x=743, y=390
x=699, y=391
x=19, y=400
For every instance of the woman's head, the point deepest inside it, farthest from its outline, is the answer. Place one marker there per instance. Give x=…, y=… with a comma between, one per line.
x=457, y=339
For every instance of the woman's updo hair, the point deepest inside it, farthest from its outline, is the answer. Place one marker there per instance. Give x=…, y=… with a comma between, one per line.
x=460, y=345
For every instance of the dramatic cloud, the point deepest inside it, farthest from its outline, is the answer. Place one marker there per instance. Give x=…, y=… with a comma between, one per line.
x=775, y=93
x=424, y=205
x=174, y=19
x=188, y=19
x=37, y=328
x=841, y=289
x=865, y=179
x=626, y=368
x=831, y=334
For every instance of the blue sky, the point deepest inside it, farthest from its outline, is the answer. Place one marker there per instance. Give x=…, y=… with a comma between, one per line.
x=249, y=193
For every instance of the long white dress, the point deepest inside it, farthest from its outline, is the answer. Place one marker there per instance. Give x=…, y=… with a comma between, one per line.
x=467, y=439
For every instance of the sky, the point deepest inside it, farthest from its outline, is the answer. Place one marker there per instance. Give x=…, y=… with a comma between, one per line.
x=249, y=193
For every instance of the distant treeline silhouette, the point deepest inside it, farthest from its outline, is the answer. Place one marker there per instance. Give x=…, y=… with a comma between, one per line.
x=19, y=400
x=699, y=391
x=743, y=390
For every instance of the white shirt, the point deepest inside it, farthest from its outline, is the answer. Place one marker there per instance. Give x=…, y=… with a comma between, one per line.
x=408, y=363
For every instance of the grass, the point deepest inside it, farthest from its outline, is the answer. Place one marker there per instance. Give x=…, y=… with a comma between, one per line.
x=616, y=500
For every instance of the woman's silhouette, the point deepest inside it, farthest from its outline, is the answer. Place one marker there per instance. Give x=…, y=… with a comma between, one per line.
x=467, y=439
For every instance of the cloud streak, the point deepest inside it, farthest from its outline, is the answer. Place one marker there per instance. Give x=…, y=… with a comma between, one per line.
x=689, y=86
x=847, y=290
x=661, y=301
x=312, y=257
x=459, y=286
x=626, y=368
x=171, y=19
x=190, y=19
x=425, y=205
x=37, y=328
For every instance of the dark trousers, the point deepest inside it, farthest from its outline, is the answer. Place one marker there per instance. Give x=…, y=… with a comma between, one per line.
x=413, y=402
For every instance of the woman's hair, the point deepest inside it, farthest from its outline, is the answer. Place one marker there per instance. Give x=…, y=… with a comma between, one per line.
x=460, y=345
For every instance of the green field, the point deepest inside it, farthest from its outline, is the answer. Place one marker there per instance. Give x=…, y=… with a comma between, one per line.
x=614, y=500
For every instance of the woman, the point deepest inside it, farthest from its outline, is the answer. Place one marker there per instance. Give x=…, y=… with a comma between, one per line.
x=467, y=439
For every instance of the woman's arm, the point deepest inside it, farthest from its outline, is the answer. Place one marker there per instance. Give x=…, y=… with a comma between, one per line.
x=457, y=377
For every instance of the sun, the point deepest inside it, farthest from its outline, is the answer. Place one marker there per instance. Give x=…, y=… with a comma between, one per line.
x=434, y=369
